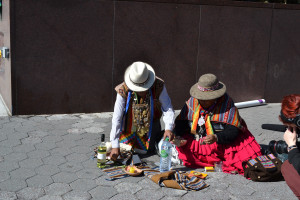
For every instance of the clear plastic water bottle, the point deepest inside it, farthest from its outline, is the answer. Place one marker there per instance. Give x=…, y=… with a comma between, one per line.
x=165, y=156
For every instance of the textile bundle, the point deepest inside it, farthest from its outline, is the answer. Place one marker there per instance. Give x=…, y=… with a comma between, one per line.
x=171, y=179
x=177, y=180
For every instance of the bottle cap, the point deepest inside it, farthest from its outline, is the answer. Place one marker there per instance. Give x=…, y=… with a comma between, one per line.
x=102, y=137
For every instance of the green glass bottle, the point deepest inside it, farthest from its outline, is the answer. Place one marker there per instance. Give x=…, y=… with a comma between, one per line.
x=101, y=156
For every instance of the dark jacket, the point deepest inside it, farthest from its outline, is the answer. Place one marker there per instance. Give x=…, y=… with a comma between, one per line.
x=226, y=133
x=294, y=158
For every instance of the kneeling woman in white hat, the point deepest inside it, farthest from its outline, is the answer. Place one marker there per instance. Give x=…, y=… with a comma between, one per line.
x=213, y=128
x=141, y=101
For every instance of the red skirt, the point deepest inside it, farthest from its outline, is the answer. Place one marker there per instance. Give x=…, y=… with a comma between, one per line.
x=196, y=155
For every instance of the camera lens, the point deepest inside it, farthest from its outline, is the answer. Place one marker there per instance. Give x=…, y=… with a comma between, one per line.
x=272, y=146
x=281, y=147
x=278, y=147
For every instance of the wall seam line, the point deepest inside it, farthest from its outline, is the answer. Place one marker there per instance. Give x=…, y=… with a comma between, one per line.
x=198, y=46
x=113, y=54
x=270, y=35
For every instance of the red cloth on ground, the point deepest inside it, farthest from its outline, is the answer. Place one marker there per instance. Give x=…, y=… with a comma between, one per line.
x=291, y=176
x=196, y=155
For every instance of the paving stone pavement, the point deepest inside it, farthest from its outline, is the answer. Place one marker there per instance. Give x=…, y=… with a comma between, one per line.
x=48, y=157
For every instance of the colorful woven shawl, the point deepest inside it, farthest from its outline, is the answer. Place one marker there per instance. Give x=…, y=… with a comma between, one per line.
x=224, y=111
x=203, y=113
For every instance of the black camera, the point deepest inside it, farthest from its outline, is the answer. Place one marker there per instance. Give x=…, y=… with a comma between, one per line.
x=278, y=147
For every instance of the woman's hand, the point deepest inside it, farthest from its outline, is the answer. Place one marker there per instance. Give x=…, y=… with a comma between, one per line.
x=210, y=139
x=169, y=134
x=178, y=141
x=290, y=136
x=114, y=154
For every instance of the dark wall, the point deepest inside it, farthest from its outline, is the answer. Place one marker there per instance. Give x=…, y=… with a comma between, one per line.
x=234, y=43
x=67, y=56
x=62, y=56
x=163, y=35
x=283, y=76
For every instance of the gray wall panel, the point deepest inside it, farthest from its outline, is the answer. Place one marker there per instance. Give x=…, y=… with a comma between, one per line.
x=234, y=43
x=63, y=56
x=68, y=56
x=284, y=64
x=5, y=63
x=163, y=35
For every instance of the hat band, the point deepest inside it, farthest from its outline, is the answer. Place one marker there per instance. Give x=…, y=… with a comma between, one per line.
x=139, y=84
x=206, y=89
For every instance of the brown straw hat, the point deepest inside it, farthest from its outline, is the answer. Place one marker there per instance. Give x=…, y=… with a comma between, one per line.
x=208, y=88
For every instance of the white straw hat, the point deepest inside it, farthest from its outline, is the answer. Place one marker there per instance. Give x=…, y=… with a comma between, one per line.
x=139, y=76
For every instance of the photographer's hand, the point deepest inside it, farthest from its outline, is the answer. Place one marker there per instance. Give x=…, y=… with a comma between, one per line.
x=290, y=136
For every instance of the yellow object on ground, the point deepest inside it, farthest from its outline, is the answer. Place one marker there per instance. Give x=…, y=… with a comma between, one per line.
x=131, y=170
x=197, y=174
x=209, y=169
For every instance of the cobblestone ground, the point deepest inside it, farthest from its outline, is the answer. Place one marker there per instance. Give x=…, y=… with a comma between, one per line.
x=48, y=157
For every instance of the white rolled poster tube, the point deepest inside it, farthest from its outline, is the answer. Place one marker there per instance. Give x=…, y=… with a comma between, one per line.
x=245, y=104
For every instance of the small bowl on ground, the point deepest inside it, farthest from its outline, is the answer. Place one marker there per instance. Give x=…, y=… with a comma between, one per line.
x=132, y=170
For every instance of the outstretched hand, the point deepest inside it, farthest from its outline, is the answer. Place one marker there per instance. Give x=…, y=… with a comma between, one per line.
x=114, y=154
x=169, y=134
x=210, y=139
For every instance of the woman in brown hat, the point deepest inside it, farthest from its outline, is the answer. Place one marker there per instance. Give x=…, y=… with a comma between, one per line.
x=213, y=129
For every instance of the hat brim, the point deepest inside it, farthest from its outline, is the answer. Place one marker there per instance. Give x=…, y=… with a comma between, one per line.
x=145, y=86
x=207, y=95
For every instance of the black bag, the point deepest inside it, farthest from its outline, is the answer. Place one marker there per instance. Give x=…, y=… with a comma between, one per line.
x=266, y=168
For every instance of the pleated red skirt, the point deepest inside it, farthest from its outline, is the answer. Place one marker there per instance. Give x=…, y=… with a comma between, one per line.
x=196, y=155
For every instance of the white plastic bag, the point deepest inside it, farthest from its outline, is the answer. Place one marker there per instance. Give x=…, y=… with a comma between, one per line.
x=175, y=159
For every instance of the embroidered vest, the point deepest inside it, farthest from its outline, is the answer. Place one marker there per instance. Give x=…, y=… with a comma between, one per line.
x=128, y=134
